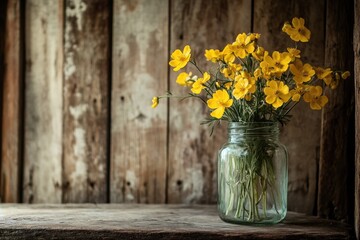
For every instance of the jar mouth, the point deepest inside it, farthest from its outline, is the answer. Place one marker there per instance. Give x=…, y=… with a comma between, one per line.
x=252, y=124
x=254, y=128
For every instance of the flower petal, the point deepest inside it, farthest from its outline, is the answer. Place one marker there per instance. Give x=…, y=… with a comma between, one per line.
x=218, y=113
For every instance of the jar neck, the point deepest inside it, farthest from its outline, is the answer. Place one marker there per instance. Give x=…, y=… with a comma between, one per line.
x=239, y=131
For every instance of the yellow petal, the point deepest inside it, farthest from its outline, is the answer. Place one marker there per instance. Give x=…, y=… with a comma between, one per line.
x=181, y=79
x=345, y=75
x=228, y=103
x=176, y=54
x=296, y=97
x=206, y=77
x=315, y=106
x=218, y=113
x=273, y=84
x=155, y=102
x=295, y=22
x=278, y=103
x=307, y=97
x=270, y=99
x=269, y=91
x=213, y=103
x=187, y=50
x=323, y=100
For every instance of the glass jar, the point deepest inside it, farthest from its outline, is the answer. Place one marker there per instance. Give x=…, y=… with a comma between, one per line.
x=252, y=175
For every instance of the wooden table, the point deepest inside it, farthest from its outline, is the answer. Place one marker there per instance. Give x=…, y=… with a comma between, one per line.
x=120, y=221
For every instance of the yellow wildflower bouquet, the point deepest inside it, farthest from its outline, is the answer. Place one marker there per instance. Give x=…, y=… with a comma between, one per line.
x=252, y=88
x=252, y=85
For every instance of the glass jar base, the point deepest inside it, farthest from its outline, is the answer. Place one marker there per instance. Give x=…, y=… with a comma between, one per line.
x=272, y=219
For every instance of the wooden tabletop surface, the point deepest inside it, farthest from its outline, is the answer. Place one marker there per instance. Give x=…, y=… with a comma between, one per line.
x=134, y=221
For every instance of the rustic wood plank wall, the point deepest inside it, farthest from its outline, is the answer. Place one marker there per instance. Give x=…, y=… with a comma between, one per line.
x=43, y=101
x=91, y=70
x=139, y=134
x=86, y=91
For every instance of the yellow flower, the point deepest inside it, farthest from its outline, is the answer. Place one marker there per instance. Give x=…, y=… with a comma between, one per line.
x=277, y=93
x=186, y=79
x=213, y=55
x=297, y=31
x=257, y=73
x=242, y=46
x=155, y=102
x=180, y=59
x=266, y=70
x=314, y=97
x=297, y=92
x=294, y=53
x=227, y=54
x=259, y=53
x=231, y=70
x=219, y=101
x=345, y=75
x=198, y=85
x=322, y=73
x=278, y=63
x=241, y=88
x=302, y=73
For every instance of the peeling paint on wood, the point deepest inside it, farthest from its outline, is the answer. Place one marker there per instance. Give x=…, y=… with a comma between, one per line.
x=192, y=152
x=43, y=98
x=86, y=90
x=138, y=133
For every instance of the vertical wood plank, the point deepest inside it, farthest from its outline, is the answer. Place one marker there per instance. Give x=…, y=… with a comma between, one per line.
x=86, y=83
x=138, y=133
x=3, y=16
x=192, y=152
x=10, y=148
x=302, y=135
x=357, y=116
x=43, y=101
x=337, y=143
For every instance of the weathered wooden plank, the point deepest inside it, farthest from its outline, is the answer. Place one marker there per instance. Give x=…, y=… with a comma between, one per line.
x=43, y=101
x=86, y=88
x=302, y=135
x=138, y=133
x=10, y=148
x=337, y=144
x=130, y=221
x=357, y=115
x=192, y=152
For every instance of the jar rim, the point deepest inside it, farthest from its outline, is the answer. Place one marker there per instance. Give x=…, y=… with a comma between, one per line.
x=249, y=124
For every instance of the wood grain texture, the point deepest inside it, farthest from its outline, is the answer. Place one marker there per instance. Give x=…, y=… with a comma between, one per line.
x=86, y=89
x=43, y=101
x=301, y=135
x=337, y=143
x=357, y=115
x=130, y=221
x=10, y=142
x=192, y=152
x=138, y=132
